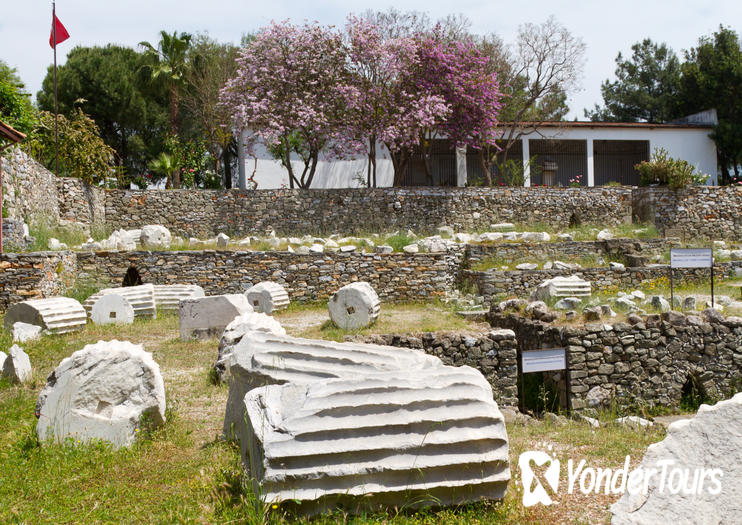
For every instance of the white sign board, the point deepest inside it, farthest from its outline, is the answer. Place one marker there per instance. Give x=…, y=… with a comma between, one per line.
x=691, y=258
x=544, y=360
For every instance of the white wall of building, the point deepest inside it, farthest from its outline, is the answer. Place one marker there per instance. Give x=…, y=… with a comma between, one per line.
x=691, y=144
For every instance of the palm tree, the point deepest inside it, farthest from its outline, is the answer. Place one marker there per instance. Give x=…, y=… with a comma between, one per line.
x=169, y=62
x=165, y=166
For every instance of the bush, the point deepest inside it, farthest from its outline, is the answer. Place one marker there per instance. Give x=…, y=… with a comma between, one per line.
x=667, y=171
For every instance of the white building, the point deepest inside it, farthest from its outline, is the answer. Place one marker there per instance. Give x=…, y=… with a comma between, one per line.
x=600, y=152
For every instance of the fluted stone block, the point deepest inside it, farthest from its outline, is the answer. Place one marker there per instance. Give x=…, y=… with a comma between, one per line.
x=267, y=297
x=206, y=317
x=262, y=358
x=354, y=306
x=104, y=391
x=408, y=438
x=141, y=298
x=112, y=309
x=168, y=296
x=572, y=286
x=57, y=315
x=236, y=330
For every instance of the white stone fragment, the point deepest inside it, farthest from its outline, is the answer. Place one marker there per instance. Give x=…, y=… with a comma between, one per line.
x=112, y=309
x=57, y=315
x=141, y=298
x=55, y=245
x=206, y=317
x=572, y=286
x=3, y=357
x=17, y=366
x=536, y=236
x=383, y=248
x=104, y=391
x=222, y=240
x=155, y=236
x=411, y=248
x=710, y=440
x=502, y=227
x=527, y=266
x=464, y=238
x=354, y=306
x=302, y=250
x=604, y=235
x=445, y=231
x=261, y=358
x=347, y=248
x=333, y=442
x=267, y=297
x=236, y=330
x=616, y=266
x=635, y=421
x=316, y=248
x=168, y=296
x=23, y=332
x=490, y=236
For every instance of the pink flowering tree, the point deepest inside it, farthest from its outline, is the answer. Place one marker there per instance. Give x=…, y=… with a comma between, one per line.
x=290, y=91
x=456, y=71
x=387, y=108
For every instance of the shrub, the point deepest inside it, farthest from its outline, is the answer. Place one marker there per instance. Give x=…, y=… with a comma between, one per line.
x=665, y=170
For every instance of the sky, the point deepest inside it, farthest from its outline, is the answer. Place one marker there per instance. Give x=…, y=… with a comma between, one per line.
x=605, y=27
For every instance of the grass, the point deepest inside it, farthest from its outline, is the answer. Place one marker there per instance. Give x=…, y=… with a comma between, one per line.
x=399, y=241
x=182, y=473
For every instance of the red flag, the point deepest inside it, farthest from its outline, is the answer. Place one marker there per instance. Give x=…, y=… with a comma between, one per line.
x=62, y=33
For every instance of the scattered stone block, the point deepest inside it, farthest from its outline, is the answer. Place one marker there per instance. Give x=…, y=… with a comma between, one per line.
x=660, y=303
x=411, y=248
x=267, y=297
x=606, y=311
x=155, y=236
x=616, y=266
x=383, y=248
x=112, y=309
x=168, y=296
x=236, y=330
x=572, y=286
x=536, y=236
x=604, y=235
x=330, y=443
x=464, y=238
x=23, y=332
x=347, y=248
x=17, y=366
x=316, y=248
x=354, y=306
x=104, y=391
x=710, y=440
x=303, y=250
x=502, y=227
x=141, y=298
x=526, y=266
x=55, y=245
x=634, y=421
x=57, y=315
x=638, y=294
x=206, y=317
x=624, y=303
x=491, y=236
x=261, y=358
x=591, y=313
x=222, y=240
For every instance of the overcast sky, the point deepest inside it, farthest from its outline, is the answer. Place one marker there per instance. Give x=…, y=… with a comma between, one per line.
x=606, y=27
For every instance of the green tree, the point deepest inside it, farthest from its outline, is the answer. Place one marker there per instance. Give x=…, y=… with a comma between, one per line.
x=15, y=105
x=212, y=64
x=82, y=152
x=712, y=78
x=106, y=82
x=646, y=86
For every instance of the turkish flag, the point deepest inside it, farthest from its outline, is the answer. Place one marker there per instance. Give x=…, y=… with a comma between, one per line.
x=62, y=33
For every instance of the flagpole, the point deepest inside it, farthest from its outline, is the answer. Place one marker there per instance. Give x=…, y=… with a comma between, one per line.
x=56, y=106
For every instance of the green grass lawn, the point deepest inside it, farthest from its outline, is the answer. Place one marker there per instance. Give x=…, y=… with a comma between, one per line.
x=183, y=472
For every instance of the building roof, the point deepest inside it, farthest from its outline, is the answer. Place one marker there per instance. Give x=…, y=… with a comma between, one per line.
x=8, y=133
x=590, y=124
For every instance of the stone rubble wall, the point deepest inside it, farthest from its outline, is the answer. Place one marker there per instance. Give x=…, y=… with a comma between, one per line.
x=700, y=212
x=492, y=283
x=34, y=275
x=395, y=276
x=81, y=203
x=646, y=363
x=494, y=354
x=29, y=189
x=205, y=213
x=519, y=251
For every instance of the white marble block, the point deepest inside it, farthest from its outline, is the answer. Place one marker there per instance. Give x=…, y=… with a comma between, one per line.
x=57, y=315
x=207, y=317
x=267, y=297
x=354, y=306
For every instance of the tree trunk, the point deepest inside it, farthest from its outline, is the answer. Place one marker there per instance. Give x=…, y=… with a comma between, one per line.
x=371, y=179
x=287, y=160
x=485, y=166
x=314, y=158
x=174, y=109
x=400, y=159
x=227, y=169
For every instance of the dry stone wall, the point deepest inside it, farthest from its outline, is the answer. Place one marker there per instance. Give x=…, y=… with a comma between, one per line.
x=494, y=354
x=649, y=362
x=81, y=203
x=703, y=212
x=395, y=276
x=29, y=189
x=34, y=275
x=297, y=212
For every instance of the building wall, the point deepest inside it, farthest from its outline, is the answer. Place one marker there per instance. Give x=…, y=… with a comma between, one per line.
x=29, y=189
x=35, y=275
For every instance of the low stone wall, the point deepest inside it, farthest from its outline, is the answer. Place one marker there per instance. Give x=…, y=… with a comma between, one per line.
x=702, y=212
x=494, y=354
x=395, y=277
x=205, y=213
x=81, y=203
x=29, y=189
x=521, y=283
x=517, y=251
x=648, y=363
x=34, y=275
